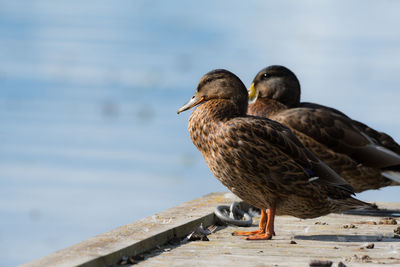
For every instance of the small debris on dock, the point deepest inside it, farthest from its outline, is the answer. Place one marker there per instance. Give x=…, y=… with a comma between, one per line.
x=293, y=242
x=321, y=223
x=388, y=220
x=368, y=246
x=200, y=233
x=196, y=236
x=320, y=263
x=355, y=258
x=397, y=231
x=366, y=258
x=348, y=226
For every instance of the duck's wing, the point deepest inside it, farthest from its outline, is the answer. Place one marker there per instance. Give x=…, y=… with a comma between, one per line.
x=339, y=134
x=318, y=106
x=380, y=138
x=256, y=132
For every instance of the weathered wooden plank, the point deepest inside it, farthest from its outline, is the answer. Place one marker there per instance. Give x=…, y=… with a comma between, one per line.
x=132, y=239
x=336, y=237
x=324, y=238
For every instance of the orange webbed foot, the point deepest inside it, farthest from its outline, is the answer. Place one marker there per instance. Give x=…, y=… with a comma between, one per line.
x=246, y=233
x=268, y=229
x=261, y=229
x=265, y=236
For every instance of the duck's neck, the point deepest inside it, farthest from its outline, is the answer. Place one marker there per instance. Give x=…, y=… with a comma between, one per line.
x=265, y=107
x=206, y=118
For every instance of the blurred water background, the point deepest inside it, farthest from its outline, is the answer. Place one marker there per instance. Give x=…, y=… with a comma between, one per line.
x=89, y=136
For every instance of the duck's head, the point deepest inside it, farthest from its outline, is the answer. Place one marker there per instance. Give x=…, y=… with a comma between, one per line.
x=219, y=84
x=277, y=83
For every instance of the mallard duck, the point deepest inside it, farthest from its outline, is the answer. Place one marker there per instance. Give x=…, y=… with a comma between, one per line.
x=260, y=160
x=364, y=157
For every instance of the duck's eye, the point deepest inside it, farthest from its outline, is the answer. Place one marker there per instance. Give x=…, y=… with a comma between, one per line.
x=266, y=76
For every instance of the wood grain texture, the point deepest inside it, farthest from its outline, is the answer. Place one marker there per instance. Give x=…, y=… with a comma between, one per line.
x=324, y=238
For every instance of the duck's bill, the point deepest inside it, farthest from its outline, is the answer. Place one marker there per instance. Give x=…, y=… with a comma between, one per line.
x=253, y=94
x=194, y=101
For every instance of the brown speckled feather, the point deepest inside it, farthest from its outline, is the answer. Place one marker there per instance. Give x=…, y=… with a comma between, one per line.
x=261, y=160
x=379, y=138
x=347, y=146
x=330, y=129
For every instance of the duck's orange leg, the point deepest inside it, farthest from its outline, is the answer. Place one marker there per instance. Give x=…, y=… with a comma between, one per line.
x=269, y=229
x=261, y=229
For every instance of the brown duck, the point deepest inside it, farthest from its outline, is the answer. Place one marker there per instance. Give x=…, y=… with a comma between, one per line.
x=260, y=160
x=364, y=157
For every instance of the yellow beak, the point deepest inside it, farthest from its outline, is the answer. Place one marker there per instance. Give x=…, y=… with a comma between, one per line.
x=253, y=94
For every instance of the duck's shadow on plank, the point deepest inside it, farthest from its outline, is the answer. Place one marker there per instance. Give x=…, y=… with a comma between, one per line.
x=373, y=212
x=347, y=238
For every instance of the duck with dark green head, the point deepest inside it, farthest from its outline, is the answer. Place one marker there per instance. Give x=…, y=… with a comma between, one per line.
x=260, y=160
x=364, y=157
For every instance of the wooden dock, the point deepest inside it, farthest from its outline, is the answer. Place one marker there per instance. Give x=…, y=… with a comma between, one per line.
x=159, y=240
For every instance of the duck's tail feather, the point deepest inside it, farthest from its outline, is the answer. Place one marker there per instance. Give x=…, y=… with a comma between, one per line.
x=352, y=203
x=394, y=176
x=359, y=204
